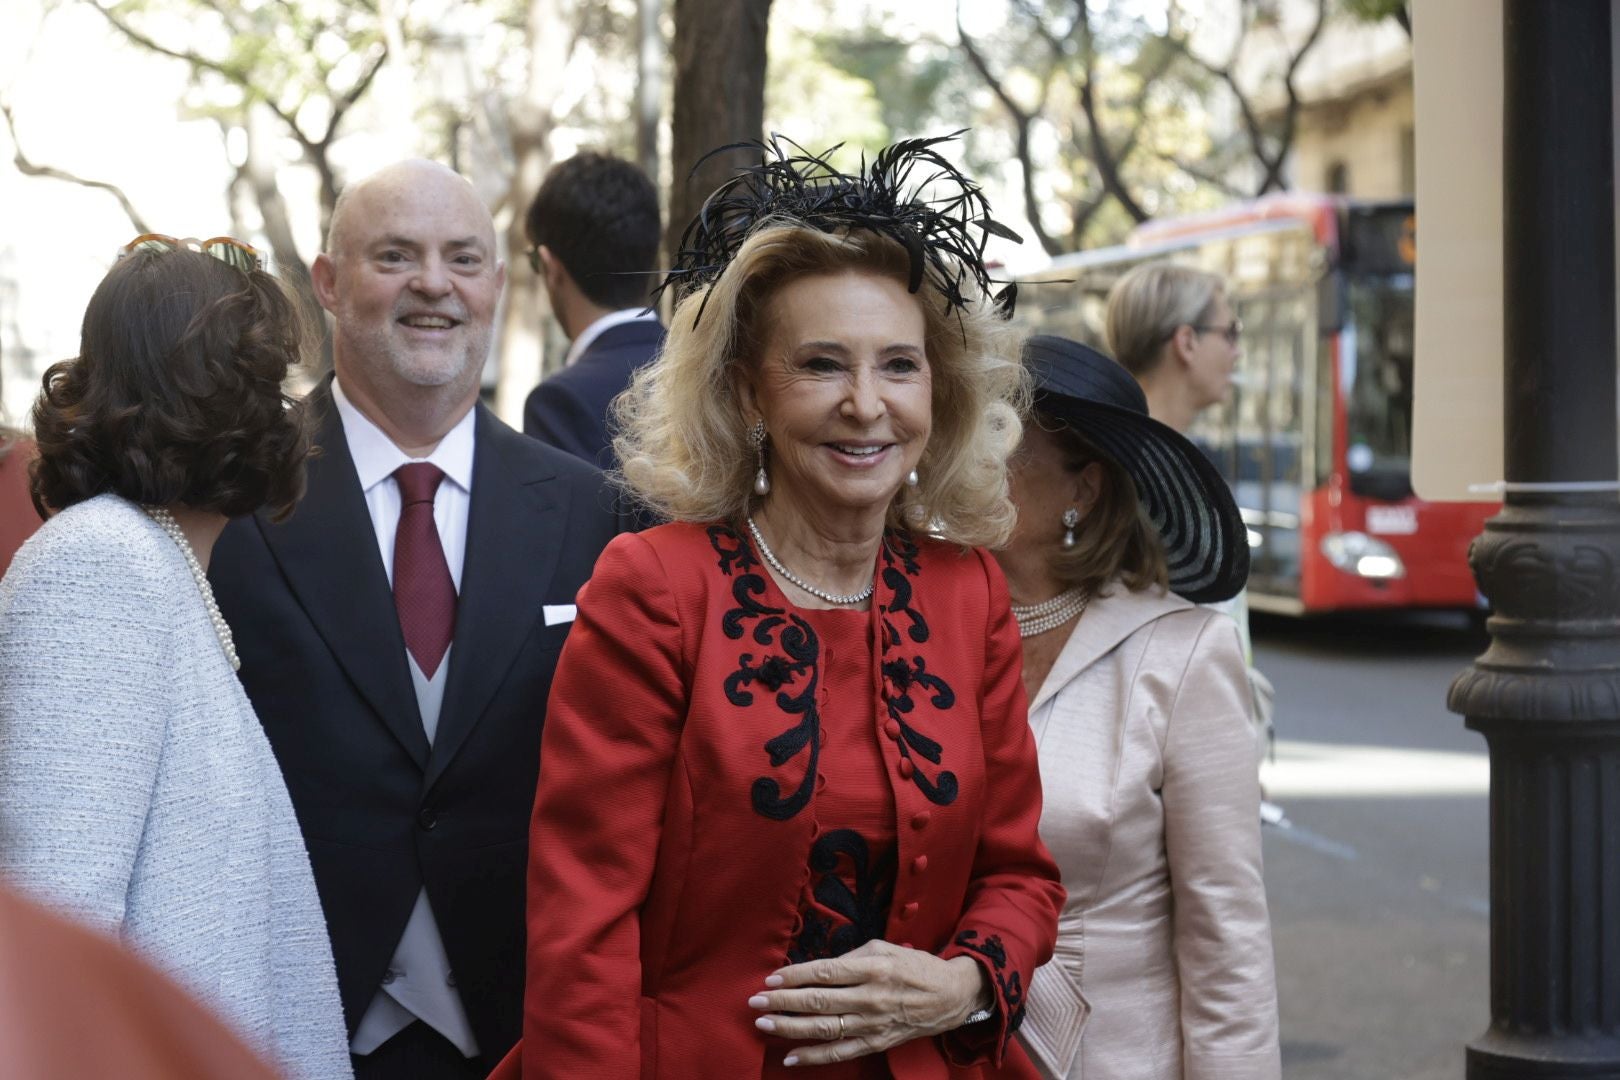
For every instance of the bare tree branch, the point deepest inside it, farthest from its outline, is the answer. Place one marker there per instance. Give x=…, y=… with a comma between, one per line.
x=1058, y=44
x=1272, y=159
x=29, y=168
x=1291, y=113
x=345, y=101
x=1101, y=154
x=1022, y=120
x=235, y=75
x=1207, y=176
x=1080, y=218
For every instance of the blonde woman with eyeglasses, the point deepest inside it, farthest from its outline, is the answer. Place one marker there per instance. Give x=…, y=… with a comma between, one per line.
x=1173, y=328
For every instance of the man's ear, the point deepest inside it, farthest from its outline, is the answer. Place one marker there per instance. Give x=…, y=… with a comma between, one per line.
x=552, y=271
x=323, y=276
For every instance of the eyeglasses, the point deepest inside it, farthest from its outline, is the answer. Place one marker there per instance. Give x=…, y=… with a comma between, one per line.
x=1231, y=331
x=226, y=249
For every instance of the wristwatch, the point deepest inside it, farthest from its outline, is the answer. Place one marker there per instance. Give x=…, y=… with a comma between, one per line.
x=975, y=1017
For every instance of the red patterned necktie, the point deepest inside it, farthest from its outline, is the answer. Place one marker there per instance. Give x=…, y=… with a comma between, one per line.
x=424, y=594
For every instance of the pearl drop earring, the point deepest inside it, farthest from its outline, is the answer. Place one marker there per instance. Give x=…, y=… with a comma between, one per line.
x=911, y=479
x=1071, y=518
x=756, y=435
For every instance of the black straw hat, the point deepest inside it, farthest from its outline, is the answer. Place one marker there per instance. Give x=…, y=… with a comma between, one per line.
x=1205, y=541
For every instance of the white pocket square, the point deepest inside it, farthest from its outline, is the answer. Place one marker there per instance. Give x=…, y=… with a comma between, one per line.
x=558, y=613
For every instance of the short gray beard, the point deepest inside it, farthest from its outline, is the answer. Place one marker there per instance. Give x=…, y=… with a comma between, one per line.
x=445, y=370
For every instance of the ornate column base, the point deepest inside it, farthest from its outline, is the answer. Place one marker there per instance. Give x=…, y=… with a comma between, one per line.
x=1546, y=696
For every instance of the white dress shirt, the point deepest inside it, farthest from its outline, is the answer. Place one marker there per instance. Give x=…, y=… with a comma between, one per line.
x=375, y=459
x=588, y=336
x=419, y=984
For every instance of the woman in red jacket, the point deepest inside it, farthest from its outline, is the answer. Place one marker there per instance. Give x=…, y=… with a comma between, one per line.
x=787, y=814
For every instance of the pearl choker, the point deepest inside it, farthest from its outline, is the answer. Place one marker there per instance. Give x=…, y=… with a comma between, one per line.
x=820, y=594
x=222, y=629
x=1050, y=614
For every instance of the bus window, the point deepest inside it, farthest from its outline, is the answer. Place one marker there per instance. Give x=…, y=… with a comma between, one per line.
x=1377, y=372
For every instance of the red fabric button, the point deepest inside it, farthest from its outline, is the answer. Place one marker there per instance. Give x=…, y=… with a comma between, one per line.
x=892, y=729
x=909, y=910
x=921, y=819
x=919, y=864
x=906, y=768
x=821, y=781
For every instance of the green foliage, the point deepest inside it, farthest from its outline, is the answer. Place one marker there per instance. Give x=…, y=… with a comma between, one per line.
x=307, y=59
x=1038, y=56
x=1374, y=10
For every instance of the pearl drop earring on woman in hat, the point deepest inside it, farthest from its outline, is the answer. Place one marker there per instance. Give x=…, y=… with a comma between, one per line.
x=756, y=435
x=1071, y=518
x=911, y=479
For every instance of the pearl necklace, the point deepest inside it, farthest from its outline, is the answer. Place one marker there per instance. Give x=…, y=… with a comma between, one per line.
x=1050, y=614
x=222, y=629
x=820, y=594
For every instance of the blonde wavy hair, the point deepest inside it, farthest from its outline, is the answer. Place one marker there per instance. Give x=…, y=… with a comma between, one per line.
x=682, y=441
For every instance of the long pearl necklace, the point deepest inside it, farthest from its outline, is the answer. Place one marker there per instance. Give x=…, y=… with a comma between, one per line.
x=820, y=594
x=1050, y=614
x=222, y=629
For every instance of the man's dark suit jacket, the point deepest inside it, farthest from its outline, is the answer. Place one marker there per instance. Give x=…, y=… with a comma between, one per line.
x=569, y=408
x=323, y=660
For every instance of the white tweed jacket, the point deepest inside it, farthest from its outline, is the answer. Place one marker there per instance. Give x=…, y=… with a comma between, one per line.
x=138, y=792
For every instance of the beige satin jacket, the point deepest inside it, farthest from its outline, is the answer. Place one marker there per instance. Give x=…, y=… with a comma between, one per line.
x=1163, y=968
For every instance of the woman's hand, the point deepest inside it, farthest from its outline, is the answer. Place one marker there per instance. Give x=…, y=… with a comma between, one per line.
x=871, y=998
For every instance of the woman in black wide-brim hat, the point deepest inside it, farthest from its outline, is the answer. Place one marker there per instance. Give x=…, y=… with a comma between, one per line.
x=1140, y=706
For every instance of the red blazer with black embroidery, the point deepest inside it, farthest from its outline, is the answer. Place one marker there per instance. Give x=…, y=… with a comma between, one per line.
x=676, y=809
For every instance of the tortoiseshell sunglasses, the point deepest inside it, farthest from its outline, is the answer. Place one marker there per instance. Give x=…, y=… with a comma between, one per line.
x=226, y=249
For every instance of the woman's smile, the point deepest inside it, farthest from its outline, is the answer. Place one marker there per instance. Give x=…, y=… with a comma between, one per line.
x=846, y=394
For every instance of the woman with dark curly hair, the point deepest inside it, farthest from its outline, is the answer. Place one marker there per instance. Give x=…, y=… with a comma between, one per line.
x=137, y=790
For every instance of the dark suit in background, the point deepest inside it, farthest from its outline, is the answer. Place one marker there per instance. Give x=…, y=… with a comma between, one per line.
x=569, y=409
x=324, y=662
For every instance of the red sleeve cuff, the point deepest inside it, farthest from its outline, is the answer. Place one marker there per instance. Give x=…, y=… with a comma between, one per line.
x=986, y=1041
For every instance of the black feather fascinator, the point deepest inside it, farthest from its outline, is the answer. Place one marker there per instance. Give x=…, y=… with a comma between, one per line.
x=909, y=193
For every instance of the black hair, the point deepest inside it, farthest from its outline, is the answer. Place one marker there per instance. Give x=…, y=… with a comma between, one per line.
x=598, y=215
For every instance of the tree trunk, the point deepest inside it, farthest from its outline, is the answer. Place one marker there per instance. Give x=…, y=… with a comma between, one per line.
x=649, y=85
x=719, y=98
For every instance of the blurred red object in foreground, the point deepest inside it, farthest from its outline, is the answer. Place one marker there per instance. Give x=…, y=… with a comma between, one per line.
x=74, y=1004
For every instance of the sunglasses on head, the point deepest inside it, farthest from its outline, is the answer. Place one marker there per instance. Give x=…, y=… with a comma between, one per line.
x=226, y=249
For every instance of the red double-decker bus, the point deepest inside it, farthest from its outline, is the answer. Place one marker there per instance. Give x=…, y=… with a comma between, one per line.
x=1316, y=436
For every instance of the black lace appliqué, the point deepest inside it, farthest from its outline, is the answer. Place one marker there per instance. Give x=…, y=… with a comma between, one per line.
x=852, y=895
x=1009, y=984
x=903, y=676
x=790, y=665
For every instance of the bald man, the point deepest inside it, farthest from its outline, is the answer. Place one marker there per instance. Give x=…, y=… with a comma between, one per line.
x=398, y=633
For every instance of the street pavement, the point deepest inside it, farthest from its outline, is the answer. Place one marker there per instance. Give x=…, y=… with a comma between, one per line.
x=1379, y=882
